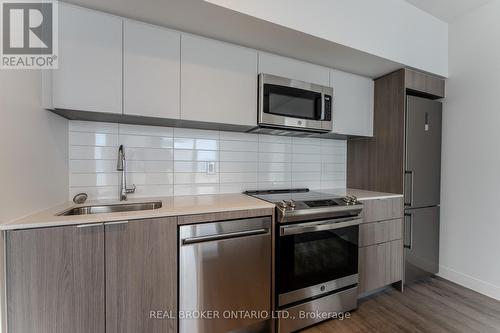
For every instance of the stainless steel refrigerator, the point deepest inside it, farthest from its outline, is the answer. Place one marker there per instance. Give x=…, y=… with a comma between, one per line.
x=422, y=187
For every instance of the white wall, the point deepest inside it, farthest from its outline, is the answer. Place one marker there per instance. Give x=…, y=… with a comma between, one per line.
x=470, y=225
x=165, y=161
x=33, y=148
x=391, y=29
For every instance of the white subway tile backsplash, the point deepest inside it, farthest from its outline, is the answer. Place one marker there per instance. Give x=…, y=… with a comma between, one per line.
x=93, y=139
x=275, y=167
x=274, y=185
x=203, y=144
x=306, y=149
x=306, y=167
x=196, y=189
x=238, y=187
x=143, y=191
x=275, y=157
x=269, y=147
x=196, y=155
x=164, y=161
x=238, y=177
x=95, y=179
x=92, y=166
x=275, y=176
x=194, y=133
x=139, y=178
x=235, y=136
x=149, y=166
x=181, y=166
x=239, y=146
x=146, y=130
x=237, y=156
x=148, y=154
x=95, y=192
x=195, y=178
x=140, y=141
x=92, y=127
x=239, y=166
x=93, y=153
x=275, y=139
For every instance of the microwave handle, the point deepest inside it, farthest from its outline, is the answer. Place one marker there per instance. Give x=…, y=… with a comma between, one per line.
x=322, y=106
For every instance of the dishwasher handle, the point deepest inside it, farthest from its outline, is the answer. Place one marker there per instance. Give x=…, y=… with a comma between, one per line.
x=216, y=237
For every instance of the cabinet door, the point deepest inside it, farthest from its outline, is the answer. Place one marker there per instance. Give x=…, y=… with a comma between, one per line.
x=353, y=103
x=380, y=265
x=151, y=76
x=89, y=77
x=55, y=280
x=375, y=210
x=218, y=82
x=141, y=276
x=293, y=69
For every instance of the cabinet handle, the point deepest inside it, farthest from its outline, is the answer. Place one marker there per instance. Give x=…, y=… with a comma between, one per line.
x=410, y=188
x=90, y=225
x=410, y=220
x=116, y=223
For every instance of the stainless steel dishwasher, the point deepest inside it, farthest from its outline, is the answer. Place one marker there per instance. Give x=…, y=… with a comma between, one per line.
x=225, y=277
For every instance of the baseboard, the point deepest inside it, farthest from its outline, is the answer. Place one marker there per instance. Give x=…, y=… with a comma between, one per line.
x=470, y=282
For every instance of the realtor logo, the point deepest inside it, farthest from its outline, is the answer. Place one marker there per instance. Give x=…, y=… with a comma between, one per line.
x=29, y=34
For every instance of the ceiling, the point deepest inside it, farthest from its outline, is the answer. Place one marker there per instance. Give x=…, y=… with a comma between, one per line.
x=448, y=10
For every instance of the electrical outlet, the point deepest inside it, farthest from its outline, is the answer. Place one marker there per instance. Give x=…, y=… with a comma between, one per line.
x=210, y=168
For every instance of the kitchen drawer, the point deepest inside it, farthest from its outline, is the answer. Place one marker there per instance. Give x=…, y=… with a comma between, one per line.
x=382, y=209
x=380, y=232
x=380, y=265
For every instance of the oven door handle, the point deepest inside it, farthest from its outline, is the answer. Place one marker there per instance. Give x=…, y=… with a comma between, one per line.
x=318, y=226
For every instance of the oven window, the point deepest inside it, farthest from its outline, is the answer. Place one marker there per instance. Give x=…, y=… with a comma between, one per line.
x=312, y=258
x=292, y=102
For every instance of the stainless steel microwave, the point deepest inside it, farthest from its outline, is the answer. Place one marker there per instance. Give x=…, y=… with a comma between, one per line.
x=294, y=105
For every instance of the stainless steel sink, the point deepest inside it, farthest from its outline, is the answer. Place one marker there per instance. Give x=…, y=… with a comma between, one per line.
x=101, y=209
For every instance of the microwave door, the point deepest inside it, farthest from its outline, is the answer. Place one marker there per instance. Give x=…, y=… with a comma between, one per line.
x=294, y=105
x=292, y=102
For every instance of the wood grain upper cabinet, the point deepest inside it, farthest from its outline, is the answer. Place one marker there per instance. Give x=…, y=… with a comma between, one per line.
x=141, y=276
x=218, y=82
x=293, y=69
x=89, y=77
x=151, y=70
x=353, y=103
x=55, y=280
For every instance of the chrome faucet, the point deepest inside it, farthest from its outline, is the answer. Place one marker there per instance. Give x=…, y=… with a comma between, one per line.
x=121, y=166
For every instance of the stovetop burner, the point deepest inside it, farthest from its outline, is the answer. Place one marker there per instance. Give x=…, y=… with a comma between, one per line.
x=295, y=205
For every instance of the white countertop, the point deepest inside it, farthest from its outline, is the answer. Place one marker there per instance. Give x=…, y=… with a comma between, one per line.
x=363, y=194
x=171, y=206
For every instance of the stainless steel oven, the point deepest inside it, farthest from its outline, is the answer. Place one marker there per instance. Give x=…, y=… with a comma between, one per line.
x=316, y=253
x=294, y=105
x=317, y=269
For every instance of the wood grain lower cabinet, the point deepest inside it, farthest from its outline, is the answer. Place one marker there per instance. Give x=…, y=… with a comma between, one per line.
x=55, y=280
x=141, y=276
x=380, y=232
x=380, y=265
x=382, y=209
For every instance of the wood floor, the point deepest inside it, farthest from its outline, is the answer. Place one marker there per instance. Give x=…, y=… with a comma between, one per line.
x=435, y=305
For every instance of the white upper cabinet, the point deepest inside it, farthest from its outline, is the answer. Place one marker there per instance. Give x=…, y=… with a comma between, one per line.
x=151, y=71
x=353, y=99
x=218, y=82
x=89, y=77
x=293, y=69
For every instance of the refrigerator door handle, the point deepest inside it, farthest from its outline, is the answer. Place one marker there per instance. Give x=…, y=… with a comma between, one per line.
x=408, y=217
x=409, y=188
